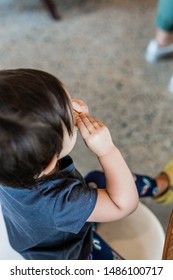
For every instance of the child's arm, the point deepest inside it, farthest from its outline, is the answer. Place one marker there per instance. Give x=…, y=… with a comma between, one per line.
x=120, y=197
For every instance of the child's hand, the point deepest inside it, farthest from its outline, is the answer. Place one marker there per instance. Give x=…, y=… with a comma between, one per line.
x=95, y=134
x=80, y=106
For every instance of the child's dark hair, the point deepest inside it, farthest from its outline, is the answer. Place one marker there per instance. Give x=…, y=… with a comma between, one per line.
x=34, y=109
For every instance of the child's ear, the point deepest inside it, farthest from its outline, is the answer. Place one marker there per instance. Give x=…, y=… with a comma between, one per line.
x=50, y=167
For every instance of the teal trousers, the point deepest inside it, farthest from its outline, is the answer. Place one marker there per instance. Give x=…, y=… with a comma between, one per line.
x=164, y=16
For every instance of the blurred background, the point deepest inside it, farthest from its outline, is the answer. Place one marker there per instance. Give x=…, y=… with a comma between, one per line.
x=97, y=49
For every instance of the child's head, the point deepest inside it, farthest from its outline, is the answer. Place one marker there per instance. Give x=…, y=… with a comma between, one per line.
x=36, y=125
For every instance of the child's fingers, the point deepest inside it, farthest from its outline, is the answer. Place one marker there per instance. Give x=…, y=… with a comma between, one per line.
x=82, y=128
x=95, y=134
x=88, y=119
x=95, y=122
x=88, y=124
x=75, y=115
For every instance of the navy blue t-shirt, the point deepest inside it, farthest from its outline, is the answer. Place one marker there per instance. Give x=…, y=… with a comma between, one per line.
x=49, y=221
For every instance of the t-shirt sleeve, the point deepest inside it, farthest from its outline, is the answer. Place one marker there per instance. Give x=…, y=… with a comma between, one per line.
x=74, y=204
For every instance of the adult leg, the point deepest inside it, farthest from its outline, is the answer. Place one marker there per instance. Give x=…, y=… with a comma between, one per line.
x=162, y=45
x=164, y=15
x=164, y=23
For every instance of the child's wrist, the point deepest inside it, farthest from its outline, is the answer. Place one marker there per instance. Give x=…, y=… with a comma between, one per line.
x=107, y=152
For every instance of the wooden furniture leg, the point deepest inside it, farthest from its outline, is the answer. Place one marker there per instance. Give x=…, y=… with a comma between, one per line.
x=52, y=8
x=168, y=246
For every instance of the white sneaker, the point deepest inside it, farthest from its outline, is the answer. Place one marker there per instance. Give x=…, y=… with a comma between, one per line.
x=154, y=52
x=170, y=85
